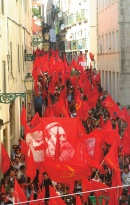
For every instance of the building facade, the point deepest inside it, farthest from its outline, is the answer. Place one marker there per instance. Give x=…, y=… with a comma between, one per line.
x=113, y=28
x=75, y=24
x=15, y=41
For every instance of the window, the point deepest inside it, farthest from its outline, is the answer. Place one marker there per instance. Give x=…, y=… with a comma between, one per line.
x=109, y=42
x=106, y=43
x=113, y=41
x=99, y=44
x=18, y=59
x=102, y=44
x=2, y=6
x=11, y=57
x=117, y=41
x=4, y=76
x=23, y=57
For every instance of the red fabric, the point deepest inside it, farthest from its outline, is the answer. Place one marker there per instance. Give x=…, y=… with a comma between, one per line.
x=103, y=201
x=5, y=165
x=23, y=146
x=23, y=117
x=57, y=152
x=115, y=193
x=79, y=107
x=41, y=195
x=92, y=145
x=111, y=136
x=99, y=185
x=60, y=109
x=97, y=79
x=35, y=120
x=32, y=199
x=126, y=143
x=48, y=112
x=92, y=101
x=65, y=126
x=112, y=158
x=86, y=186
x=102, y=123
x=3, y=190
x=78, y=200
x=111, y=106
x=19, y=193
x=55, y=201
x=31, y=167
x=93, y=92
x=66, y=171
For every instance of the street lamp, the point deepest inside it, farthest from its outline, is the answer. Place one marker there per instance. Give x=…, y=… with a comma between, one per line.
x=28, y=81
x=7, y=98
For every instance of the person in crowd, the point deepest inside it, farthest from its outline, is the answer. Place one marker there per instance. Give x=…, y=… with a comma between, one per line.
x=38, y=104
x=46, y=183
x=68, y=199
x=32, y=191
x=107, y=177
x=9, y=180
x=17, y=153
x=97, y=177
x=2, y=198
x=17, y=163
x=59, y=189
x=126, y=176
x=11, y=195
x=22, y=174
x=14, y=147
x=22, y=159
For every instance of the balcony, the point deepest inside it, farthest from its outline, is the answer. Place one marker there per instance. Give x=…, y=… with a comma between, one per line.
x=82, y=15
x=70, y=20
x=76, y=45
x=62, y=46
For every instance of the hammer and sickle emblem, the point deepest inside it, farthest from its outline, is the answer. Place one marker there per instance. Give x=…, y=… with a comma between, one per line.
x=78, y=104
x=68, y=173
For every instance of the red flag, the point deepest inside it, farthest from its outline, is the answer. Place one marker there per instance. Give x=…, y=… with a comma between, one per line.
x=93, y=92
x=57, y=152
x=31, y=167
x=112, y=158
x=86, y=186
x=23, y=146
x=115, y=193
x=92, y=101
x=66, y=171
x=92, y=144
x=111, y=106
x=32, y=199
x=35, y=120
x=23, y=117
x=126, y=143
x=41, y=195
x=102, y=123
x=19, y=193
x=53, y=200
x=104, y=201
x=3, y=190
x=111, y=136
x=78, y=200
x=99, y=185
x=5, y=165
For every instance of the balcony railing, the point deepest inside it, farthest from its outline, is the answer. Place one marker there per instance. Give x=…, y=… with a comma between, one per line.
x=82, y=15
x=76, y=45
x=73, y=18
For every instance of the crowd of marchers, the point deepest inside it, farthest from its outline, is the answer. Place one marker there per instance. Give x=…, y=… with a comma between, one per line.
x=96, y=116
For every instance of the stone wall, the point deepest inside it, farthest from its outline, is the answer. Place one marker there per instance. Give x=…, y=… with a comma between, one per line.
x=124, y=27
